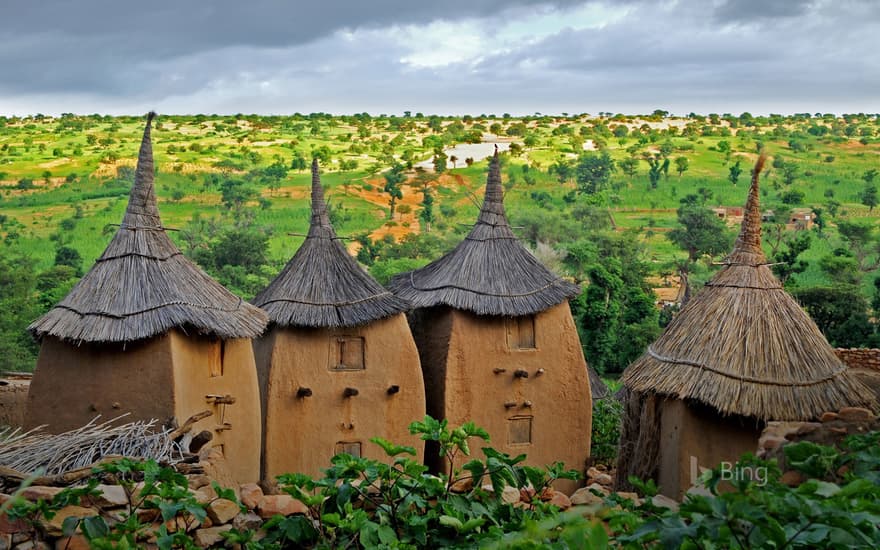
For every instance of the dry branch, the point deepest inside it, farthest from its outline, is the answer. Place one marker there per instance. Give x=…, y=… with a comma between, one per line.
x=69, y=456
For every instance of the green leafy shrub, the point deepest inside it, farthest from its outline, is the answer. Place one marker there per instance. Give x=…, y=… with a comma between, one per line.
x=367, y=503
x=607, y=415
x=838, y=507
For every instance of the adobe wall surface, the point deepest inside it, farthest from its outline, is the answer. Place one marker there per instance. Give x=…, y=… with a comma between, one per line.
x=694, y=437
x=302, y=431
x=13, y=401
x=557, y=400
x=264, y=347
x=431, y=330
x=235, y=426
x=74, y=384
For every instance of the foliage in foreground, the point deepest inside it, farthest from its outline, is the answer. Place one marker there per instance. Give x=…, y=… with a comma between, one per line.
x=838, y=507
x=607, y=417
x=363, y=503
x=359, y=502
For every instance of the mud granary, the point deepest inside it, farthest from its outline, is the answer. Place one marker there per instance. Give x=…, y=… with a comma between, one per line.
x=498, y=344
x=338, y=365
x=741, y=353
x=148, y=333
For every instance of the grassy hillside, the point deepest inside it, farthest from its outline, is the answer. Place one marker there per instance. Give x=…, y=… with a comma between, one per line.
x=64, y=181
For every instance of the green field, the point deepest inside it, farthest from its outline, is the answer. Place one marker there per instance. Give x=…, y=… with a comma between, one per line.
x=64, y=183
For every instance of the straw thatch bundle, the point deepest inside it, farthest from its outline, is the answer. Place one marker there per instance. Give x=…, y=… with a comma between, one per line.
x=490, y=272
x=322, y=285
x=53, y=454
x=638, y=453
x=142, y=285
x=744, y=346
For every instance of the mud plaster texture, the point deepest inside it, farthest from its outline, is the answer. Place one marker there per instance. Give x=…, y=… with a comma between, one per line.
x=691, y=432
x=865, y=365
x=470, y=370
x=302, y=433
x=858, y=358
x=159, y=378
x=13, y=401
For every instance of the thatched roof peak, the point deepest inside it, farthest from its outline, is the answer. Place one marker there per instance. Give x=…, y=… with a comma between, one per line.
x=490, y=272
x=322, y=285
x=492, y=211
x=142, y=211
x=747, y=248
x=744, y=346
x=142, y=285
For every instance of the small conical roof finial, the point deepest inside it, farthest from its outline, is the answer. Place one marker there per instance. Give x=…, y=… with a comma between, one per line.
x=142, y=210
x=492, y=211
x=320, y=222
x=749, y=239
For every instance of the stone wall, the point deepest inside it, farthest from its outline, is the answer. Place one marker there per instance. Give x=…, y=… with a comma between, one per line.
x=859, y=358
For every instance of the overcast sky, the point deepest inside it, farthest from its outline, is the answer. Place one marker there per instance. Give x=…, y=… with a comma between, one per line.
x=446, y=57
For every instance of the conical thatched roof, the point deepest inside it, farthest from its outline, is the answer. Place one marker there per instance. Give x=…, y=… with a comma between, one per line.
x=322, y=285
x=142, y=285
x=489, y=272
x=744, y=346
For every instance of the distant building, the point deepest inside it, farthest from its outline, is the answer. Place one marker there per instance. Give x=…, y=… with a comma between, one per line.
x=801, y=219
x=730, y=214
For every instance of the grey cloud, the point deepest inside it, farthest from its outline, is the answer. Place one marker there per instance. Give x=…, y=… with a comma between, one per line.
x=755, y=10
x=259, y=56
x=58, y=45
x=678, y=57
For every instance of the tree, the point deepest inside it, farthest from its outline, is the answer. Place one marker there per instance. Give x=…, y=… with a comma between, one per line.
x=299, y=161
x=656, y=169
x=615, y=314
x=234, y=193
x=869, y=175
x=593, y=172
x=681, y=165
x=393, y=179
x=439, y=160
x=861, y=242
x=247, y=248
x=427, y=213
x=787, y=261
x=70, y=257
x=841, y=267
x=701, y=231
x=868, y=196
x=735, y=172
x=840, y=312
x=453, y=159
x=562, y=169
x=629, y=166
x=17, y=309
x=790, y=172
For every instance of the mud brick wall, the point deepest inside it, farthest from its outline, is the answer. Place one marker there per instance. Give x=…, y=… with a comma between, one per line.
x=858, y=358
